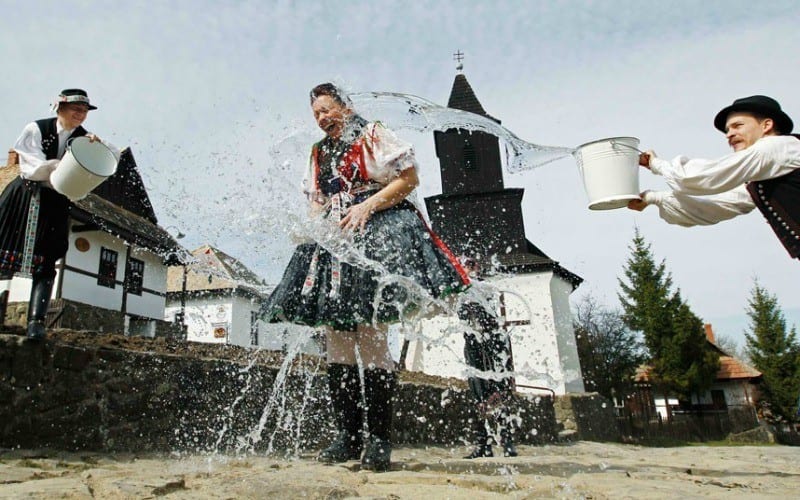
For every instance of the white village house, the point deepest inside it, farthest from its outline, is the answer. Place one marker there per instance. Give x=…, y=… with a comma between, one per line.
x=734, y=391
x=114, y=275
x=478, y=217
x=216, y=297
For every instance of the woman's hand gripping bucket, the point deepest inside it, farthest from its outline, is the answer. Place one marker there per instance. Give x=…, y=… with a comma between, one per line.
x=85, y=166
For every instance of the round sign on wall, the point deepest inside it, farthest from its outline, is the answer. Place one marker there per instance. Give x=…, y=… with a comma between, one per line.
x=82, y=244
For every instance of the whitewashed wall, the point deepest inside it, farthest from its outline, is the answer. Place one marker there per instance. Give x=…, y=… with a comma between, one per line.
x=149, y=305
x=737, y=393
x=19, y=289
x=84, y=289
x=560, y=290
x=544, y=352
x=240, y=321
x=202, y=314
x=535, y=347
x=437, y=348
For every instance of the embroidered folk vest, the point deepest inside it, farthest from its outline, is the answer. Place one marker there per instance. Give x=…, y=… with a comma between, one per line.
x=47, y=126
x=778, y=200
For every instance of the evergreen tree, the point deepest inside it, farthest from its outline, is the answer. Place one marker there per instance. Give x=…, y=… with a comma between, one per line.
x=681, y=359
x=775, y=353
x=645, y=297
x=687, y=364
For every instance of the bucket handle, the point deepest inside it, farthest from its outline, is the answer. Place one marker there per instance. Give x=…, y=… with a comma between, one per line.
x=615, y=143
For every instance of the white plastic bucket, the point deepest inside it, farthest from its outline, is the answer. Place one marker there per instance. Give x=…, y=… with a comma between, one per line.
x=610, y=171
x=85, y=166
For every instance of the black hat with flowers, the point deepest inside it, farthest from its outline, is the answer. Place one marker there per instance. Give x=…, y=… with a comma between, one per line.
x=74, y=95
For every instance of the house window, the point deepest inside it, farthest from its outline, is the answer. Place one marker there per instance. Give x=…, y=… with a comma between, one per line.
x=470, y=157
x=134, y=273
x=718, y=399
x=107, y=274
x=254, y=328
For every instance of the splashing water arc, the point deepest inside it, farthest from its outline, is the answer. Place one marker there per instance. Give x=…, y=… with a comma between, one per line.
x=256, y=211
x=406, y=111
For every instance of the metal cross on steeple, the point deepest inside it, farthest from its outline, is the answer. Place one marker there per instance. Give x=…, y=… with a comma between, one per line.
x=459, y=56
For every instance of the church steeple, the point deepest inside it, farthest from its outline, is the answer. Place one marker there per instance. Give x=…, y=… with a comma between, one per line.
x=475, y=215
x=469, y=160
x=463, y=97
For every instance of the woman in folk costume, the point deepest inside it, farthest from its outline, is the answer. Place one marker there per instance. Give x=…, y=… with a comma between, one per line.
x=359, y=177
x=31, y=210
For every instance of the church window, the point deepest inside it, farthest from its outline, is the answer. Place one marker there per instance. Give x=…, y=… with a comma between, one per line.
x=470, y=157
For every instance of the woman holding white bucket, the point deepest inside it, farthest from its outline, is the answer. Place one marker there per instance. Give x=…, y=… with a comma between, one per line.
x=30, y=210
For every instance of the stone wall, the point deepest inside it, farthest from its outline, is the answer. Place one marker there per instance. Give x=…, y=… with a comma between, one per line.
x=742, y=418
x=100, y=397
x=587, y=417
x=73, y=315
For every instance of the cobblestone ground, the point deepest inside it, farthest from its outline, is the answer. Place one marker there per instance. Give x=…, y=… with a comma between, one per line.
x=580, y=470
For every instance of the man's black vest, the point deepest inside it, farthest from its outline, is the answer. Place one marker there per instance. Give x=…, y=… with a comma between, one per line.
x=779, y=201
x=47, y=126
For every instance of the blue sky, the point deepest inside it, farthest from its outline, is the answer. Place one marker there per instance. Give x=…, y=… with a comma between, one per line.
x=212, y=98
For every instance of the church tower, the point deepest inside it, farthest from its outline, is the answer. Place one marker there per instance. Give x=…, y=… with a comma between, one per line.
x=476, y=215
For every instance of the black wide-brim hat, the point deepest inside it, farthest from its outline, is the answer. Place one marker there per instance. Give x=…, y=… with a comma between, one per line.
x=74, y=95
x=758, y=104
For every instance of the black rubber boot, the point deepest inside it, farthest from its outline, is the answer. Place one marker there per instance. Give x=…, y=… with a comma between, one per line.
x=483, y=443
x=379, y=386
x=506, y=435
x=37, y=307
x=345, y=389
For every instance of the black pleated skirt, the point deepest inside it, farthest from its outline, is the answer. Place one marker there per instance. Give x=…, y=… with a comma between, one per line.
x=411, y=261
x=51, y=232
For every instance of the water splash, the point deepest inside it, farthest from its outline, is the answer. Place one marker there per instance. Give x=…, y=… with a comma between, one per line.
x=406, y=111
x=279, y=410
x=264, y=199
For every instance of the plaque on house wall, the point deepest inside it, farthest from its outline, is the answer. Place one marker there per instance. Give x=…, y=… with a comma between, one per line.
x=220, y=330
x=82, y=244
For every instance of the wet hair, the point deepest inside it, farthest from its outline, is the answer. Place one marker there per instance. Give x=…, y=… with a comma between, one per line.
x=332, y=91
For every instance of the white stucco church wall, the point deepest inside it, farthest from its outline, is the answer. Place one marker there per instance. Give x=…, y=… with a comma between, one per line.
x=544, y=350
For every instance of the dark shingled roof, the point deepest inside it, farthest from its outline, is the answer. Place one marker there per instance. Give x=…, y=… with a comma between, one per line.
x=463, y=97
x=535, y=259
x=94, y=211
x=125, y=188
x=122, y=208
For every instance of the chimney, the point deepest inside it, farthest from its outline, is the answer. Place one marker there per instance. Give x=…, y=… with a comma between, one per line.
x=13, y=158
x=710, y=333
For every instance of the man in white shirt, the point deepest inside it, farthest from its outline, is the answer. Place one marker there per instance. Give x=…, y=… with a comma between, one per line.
x=763, y=171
